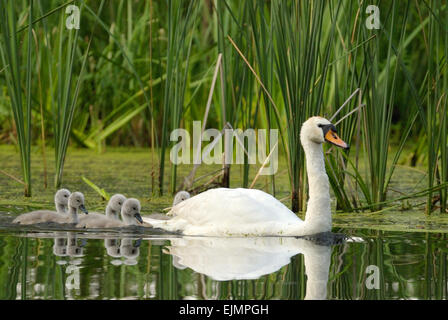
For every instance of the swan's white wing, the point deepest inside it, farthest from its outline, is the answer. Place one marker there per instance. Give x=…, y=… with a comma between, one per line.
x=233, y=205
x=225, y=211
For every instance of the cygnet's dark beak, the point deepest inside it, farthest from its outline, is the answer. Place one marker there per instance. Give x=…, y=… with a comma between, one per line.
x=138, y=217
x=83, y=209
x=137, y=243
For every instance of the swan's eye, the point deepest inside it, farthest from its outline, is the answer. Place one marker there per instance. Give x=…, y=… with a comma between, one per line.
x=66, y=196
x=320, y=125
x=119, y=203
x=134, y=208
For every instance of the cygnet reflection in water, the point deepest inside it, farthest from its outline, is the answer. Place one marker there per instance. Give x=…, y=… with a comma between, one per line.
x=226, y=259
x=67, y=244
x=128, y=248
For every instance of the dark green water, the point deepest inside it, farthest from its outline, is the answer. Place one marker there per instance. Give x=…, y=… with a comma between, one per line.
x=38, y=263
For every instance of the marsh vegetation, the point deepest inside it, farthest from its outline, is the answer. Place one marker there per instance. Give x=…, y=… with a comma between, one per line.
x=92, y=109
x=134, y=71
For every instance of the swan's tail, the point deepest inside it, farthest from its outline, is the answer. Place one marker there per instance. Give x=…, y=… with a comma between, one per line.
x=171, y=225
x=154, y=222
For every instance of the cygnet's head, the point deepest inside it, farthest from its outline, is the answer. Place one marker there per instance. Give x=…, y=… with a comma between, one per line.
x=130, y=212
x=319, y=130
x=76, y=201
x=116, y=202
x=61, y=197
x=180, y=196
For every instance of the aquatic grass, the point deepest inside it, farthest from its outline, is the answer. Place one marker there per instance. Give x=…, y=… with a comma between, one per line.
x=67, y=94
x=277, y=69
x=262, y=34
x=13, y=63
x=108, y=119
x=180, y=24
x=344, y=91
x=436, y=103
x=301, y=64
x=379, y=100
x=103, y=193
x=239, y=106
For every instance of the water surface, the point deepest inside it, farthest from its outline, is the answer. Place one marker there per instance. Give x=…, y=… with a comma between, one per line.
x=49, y=262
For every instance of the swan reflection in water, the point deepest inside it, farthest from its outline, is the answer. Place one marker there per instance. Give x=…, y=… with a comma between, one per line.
x=224, y=259
x=221, y=259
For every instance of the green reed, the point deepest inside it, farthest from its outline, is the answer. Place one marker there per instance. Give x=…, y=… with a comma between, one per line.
x=13, y=64
x=125, y=97
x=262, y=34
x=436, y=103
x=236, y=95
x=302, y=56
x=306, y=59
x=67, y=90
x=180, y=23
x=347, y=79
x=381, y=71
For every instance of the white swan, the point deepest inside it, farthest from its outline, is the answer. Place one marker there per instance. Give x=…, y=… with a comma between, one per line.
x=130, y=213
x=250, y=212
x=75, y=202
x=113, y=210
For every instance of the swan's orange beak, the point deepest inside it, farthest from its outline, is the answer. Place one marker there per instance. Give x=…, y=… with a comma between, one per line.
x=333, y=138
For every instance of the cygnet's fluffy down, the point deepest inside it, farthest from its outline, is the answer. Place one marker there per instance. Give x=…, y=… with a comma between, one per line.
x=130, y=213
x=75, y=202
x=110, y=220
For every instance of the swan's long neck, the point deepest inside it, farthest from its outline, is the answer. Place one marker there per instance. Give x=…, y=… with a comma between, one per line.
x=111, y=213
x=318, y=213
x=73, y=215
x=61, y=208
x=127, y=220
